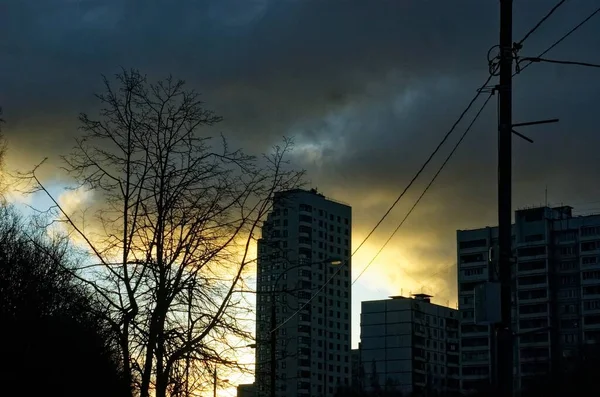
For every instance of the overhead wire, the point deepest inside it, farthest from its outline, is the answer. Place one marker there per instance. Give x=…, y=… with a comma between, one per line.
x=492, y=72
x=537, y=59
x=426, y=187
x=423, y=166
x=445, y=138
x=561, y=39
x=411, y=182
x=536, y=26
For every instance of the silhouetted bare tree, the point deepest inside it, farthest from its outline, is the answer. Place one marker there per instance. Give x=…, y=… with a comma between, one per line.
x=175, y=228
x=51, y=343
x=2, y=155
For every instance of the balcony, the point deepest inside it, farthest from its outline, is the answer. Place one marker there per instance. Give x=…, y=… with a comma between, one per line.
x=467, y=265
x=531, y=253
x=305, y=242
x=534, y=368
x=474, y=330
x=588, y=237
x=532, y=315
x=534, y=359
x=533, y=286
x=590, y=281
x=475, y=372
x=466, y=276
x=305, y=220
x=527, y=295
x=590, y=247
x=531, y=325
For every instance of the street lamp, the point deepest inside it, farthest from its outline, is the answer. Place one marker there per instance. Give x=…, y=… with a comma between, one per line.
x=215, y=380
x=273, y=333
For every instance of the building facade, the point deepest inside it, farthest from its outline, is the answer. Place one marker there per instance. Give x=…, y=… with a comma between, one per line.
x=409, y=345
x=247, y=390
x=305, y=244
x=356, y=369
x=556, y=293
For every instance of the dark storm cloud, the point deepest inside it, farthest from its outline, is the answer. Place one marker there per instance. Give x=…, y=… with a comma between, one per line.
x=367, y=88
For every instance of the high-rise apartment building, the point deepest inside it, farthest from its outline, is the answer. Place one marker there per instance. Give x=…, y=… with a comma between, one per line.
x=409, y=345
x=305, y=244
x=247, y=390
x=556, y=293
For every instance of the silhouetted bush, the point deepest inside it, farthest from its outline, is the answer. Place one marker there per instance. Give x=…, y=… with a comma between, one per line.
x=52, y=342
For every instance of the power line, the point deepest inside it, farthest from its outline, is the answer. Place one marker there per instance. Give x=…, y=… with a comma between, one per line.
x=538, y=59
x=593, y=65
x=426, y=189
x=561, y=39
x=412, y=181
x=533, y=29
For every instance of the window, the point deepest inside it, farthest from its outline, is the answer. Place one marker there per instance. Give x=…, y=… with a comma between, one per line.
x=471, y=258
x=590, y=231
x=533, y=294
x=569, y=338
x=532, y=251
x=476, y=371
x=569, y=324
x=533, y=237
x=467, y=328
x=532, y=265
x=568, y=280
x=592, y=320
x=467, y=287
x=568, y=265
x=567, y=235
x=473, y=272
x=531, y=309
x=306, y=218
x=591, y=305
x=592, y=275
x=534, y=215
x=590, y=246
x=591, y=290
x=567, y=293
x=474, y=342
x=533, y=323
x=531, y=280
x=472, y=244
x=534, y=337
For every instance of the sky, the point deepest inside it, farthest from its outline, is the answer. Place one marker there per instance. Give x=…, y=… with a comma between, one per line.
x=367, y=88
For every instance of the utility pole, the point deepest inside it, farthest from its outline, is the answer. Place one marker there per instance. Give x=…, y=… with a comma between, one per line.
x=504, y=363
x=325, y=347
x=215, y=382
x=273, y=342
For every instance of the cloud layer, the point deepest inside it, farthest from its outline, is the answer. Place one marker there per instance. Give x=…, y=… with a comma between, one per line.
x=367, y=88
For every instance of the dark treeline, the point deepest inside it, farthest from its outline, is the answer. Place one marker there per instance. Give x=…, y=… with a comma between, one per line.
x=50, y=343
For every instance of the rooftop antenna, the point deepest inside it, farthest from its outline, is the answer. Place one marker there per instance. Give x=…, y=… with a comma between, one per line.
x=546, y=195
